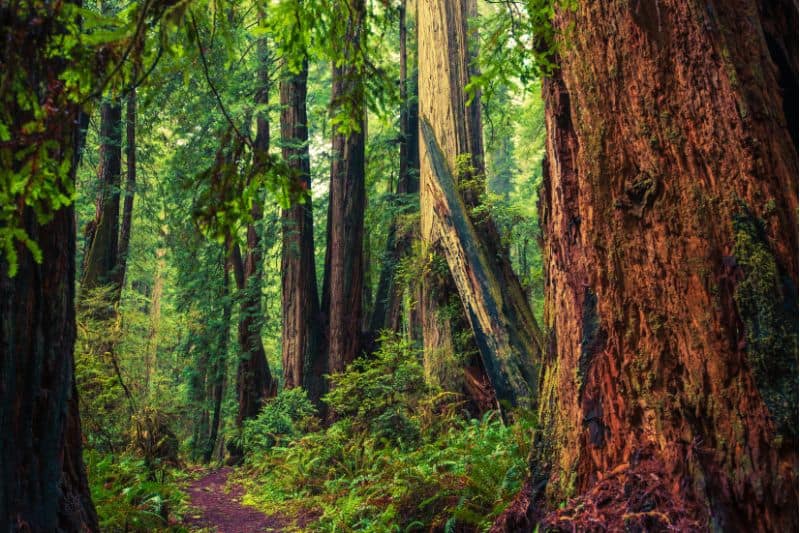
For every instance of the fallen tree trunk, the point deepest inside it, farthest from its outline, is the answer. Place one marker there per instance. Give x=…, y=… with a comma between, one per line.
x=507, y=344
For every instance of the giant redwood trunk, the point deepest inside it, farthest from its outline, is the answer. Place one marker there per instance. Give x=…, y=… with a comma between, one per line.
x=344, y=265
x=669, y=211
x=451, y=180
x=43, y=485
x=303, y=354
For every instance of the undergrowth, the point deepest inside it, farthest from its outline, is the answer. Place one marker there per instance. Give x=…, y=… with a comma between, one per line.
x=400, y=456
x=131, y=496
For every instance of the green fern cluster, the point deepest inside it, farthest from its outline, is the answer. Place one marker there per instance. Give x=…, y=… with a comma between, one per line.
x=400, y=457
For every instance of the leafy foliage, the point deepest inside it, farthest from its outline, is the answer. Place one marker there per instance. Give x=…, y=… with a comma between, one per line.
x=128, y=497
x=364, y=474
x=283, y=418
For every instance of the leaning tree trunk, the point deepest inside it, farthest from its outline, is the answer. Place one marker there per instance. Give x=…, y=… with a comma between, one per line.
x=344, y=265
x=43, y=485
x=669, y=210
x=304, y=362
x=451, y=156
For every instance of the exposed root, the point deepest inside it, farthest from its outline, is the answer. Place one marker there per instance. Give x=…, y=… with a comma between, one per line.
x=628, y=499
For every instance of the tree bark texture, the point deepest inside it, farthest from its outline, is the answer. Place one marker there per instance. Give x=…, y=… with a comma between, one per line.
x=344, y=266
x=454, y=130
x=303, y=354
x=43, y=485
x=669, y=209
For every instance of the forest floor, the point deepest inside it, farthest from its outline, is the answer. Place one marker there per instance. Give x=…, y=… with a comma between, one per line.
x=217, y=506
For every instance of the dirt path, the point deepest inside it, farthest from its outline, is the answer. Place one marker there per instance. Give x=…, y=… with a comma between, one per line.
x=223, y=510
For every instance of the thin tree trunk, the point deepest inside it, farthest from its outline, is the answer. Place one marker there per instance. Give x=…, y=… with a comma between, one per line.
x=387, y=311
x=130, y=187
x=254, y=381
x=344, y=266
x=303, y=353
x=151, y=355
x=102, y=260
x=670, y=217
x=216, y=375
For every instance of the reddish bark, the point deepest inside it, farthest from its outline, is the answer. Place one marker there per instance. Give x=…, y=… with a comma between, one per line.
x=43, y=485
x=669, y=210
x=342, y=290
x=303, y=354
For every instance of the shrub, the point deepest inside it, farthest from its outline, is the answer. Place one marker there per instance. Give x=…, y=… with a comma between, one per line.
x=127, y=498
x=364, y=473
x=285, y=416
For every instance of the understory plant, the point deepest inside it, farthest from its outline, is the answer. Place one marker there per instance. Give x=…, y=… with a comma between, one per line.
x=400, y=456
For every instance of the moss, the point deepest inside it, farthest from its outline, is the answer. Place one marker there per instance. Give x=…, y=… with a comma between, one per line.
x=766, y=303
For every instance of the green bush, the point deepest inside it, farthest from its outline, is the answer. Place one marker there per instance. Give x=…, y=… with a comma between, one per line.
x=366, y=474
x=285, y=416
x=128, y=498
x=379, y=394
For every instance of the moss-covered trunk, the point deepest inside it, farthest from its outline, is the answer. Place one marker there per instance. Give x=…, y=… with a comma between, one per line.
x=451, y=183
x=669, y=210
x=43, y=484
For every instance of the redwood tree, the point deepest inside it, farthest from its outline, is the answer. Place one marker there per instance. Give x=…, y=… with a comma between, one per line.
x=387, y=311
x=43, y=485
x=451, y=182
x=302, y=336
x=101, y=262
x=669, y=210
x=344, y=265
x=254, y=381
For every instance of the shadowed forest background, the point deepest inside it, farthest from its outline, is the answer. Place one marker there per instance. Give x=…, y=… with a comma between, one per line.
x=398, y=265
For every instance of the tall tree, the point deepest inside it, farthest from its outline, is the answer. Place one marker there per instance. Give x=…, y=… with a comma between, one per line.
x=303, y=352
x=670, y=217
x=130, y=186
x=387, y=312
x=452, y=180
x=43, y=485
x=102, y=255
x=344, y=266
x=254, y=381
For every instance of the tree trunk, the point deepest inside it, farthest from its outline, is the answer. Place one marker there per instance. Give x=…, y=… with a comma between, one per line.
x=101, y=262
x=344, y=266
x=130, y=186
x=508, y=343
x=43, y=485
x=151, y=355
x=254, y=381
x=451, y=150
x=216, y=373
x=387, y=312
x=669, y=210
x=303, y=352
